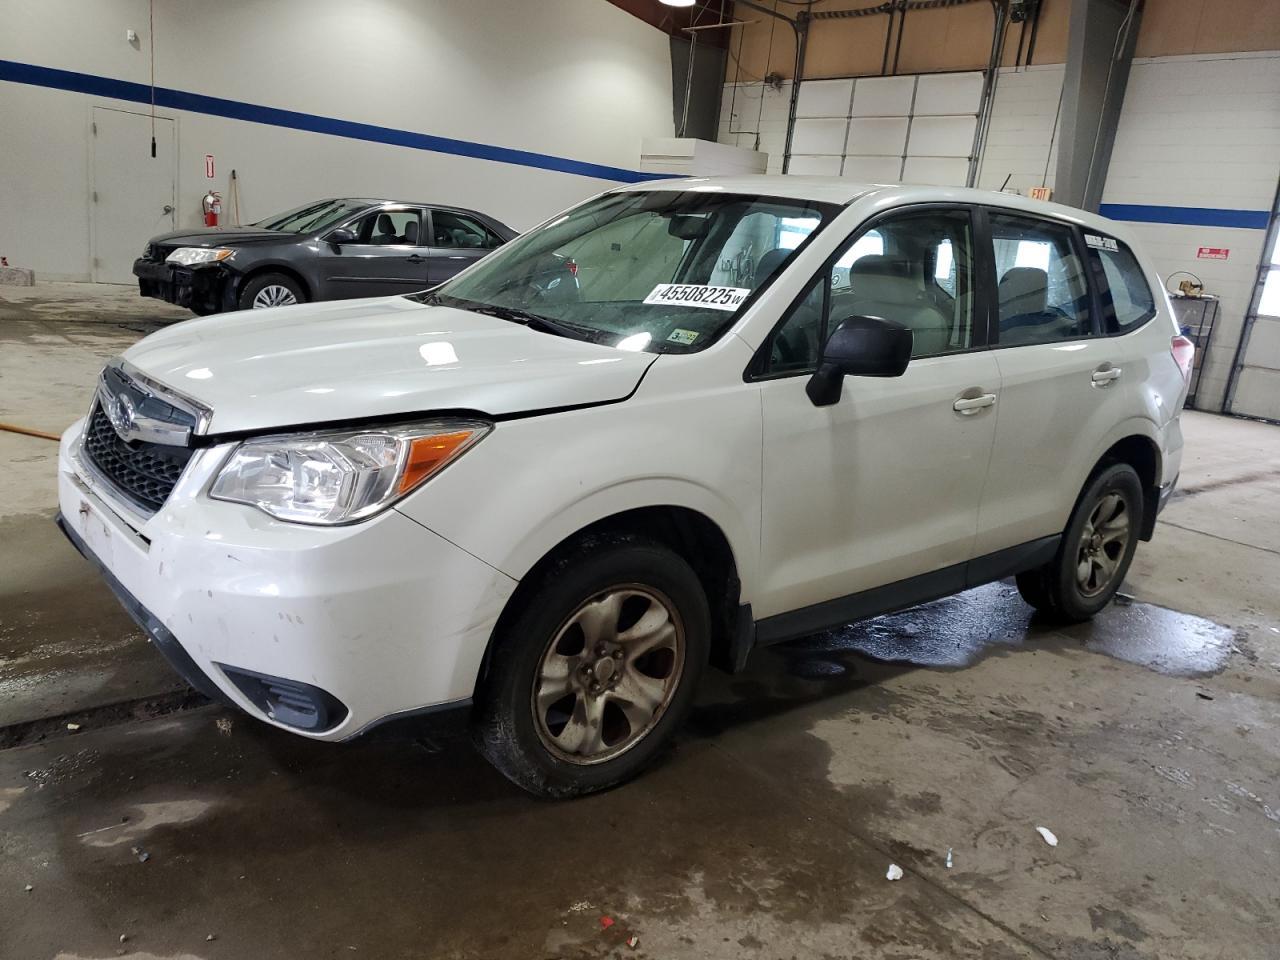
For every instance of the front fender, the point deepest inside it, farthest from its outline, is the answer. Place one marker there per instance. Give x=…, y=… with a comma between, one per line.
x=537, y=481
x=632, y=494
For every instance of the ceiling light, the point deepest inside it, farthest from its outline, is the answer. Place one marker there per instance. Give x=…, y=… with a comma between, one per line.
x=678, y=3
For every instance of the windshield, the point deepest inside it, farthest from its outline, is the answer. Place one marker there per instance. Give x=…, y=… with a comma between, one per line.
x=313, y=217
x=662, y=271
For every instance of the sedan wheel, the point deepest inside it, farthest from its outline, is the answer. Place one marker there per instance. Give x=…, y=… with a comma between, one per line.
x=608, y=675
x=275, y=295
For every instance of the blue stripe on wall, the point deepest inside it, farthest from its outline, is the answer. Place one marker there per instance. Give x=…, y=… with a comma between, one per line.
x=252, y=113
x=1187, y=216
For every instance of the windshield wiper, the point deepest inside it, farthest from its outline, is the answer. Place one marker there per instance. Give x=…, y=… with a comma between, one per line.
x=533, y=321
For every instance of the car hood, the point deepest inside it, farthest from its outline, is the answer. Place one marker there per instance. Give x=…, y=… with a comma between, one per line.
x=219, y=236
x=364, y=359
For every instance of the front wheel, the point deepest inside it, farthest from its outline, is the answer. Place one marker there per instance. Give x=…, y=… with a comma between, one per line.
x=1096, y=550
x=595, y=670
x=271, y=290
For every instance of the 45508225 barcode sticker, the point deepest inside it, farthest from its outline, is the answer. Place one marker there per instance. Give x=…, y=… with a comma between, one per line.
x=697, y=295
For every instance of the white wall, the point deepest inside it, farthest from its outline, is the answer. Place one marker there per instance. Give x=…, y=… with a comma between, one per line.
x=1205, y=132
x=579, y=79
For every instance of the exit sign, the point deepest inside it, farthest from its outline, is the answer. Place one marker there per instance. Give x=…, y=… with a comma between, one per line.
x=1212, y=253
x=1041, y=193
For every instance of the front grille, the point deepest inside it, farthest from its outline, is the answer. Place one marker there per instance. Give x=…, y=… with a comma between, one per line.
x=143, y=473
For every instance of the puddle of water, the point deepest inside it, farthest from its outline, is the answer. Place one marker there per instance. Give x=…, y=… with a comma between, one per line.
x=149, y=817
x=959, y=631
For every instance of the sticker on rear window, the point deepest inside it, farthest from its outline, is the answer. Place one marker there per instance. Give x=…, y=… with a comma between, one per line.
x=697, y=295
x=682, y=336
x=1100, y=243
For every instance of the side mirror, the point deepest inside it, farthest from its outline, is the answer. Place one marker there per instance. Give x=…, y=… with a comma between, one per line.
x=860, y=347
x=340, y=236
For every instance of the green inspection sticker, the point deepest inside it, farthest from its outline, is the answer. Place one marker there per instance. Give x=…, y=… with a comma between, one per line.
x=682, y=336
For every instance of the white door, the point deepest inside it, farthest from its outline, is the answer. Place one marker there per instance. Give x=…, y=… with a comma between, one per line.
x=885, y=484
x=1063, y=386
x=133, y=193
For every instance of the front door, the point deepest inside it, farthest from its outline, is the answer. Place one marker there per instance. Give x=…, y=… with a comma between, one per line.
x=133, y=192
x=388, y=256
x=885, y=484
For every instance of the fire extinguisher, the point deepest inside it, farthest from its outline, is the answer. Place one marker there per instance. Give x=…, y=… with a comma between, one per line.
x=212, y=204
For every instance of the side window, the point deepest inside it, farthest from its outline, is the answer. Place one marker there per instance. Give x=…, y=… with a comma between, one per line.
x=456, y=230
x=916, y=269
x=1131, y=299
x=388, y=228
x=1040, y=286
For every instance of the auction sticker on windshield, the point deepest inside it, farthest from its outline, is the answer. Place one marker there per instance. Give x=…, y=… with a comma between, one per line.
x=697, y=295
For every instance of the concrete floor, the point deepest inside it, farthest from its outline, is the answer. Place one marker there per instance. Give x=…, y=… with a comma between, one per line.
x=1147, y=741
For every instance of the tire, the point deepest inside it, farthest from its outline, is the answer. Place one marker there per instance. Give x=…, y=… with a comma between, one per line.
x=270, y=290
x=203, y=311
x=1096, y=550
x=536, y=717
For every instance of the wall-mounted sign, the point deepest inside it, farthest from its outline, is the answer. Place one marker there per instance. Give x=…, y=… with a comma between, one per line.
x=208, y=166
x=1212, y=253
x=1041, y=193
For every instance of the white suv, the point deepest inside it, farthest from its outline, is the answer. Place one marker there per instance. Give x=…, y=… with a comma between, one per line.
x=681, y=420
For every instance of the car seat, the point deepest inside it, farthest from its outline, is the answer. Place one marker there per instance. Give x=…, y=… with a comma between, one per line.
x=1025, y=316
x=880, y=286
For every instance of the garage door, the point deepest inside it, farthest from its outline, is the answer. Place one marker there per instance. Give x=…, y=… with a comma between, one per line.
x=1256, y=388
x=912, y=129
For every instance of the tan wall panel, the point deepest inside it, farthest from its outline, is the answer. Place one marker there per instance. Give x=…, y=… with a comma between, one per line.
x=846, y=48
x=950, y=38
x=959, y=38
x=767, y=46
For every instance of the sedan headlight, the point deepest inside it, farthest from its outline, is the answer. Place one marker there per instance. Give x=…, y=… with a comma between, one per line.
x=190, y=256
x=333, y=478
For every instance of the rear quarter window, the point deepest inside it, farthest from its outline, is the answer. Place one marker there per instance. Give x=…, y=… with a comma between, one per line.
x=1132, y=303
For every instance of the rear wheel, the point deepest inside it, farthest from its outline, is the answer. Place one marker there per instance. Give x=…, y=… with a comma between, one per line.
x=596, y=670
x=1096, y=550
x=271, y=290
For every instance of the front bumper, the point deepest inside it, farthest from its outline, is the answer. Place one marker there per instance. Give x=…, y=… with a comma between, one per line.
x=382, y=617
x=208, y=288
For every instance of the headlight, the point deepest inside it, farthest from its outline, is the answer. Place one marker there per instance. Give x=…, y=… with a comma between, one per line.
x=332, y=478
x=189, y=256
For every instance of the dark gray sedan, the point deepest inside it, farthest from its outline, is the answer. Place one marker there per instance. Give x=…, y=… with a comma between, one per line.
x=327, y=250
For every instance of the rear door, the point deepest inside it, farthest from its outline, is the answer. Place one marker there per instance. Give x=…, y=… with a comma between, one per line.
x=457, y=241
x=1064, y=385
x=387, y=258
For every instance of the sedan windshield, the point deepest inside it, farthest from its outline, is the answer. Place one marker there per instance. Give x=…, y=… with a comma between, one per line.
x=661, y=271
x=313, y=217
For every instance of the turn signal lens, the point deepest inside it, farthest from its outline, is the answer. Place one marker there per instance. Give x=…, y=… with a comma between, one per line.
x=429, y=454
x=1184, y=355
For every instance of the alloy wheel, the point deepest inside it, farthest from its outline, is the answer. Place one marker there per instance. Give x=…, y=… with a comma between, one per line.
x=1102, y=545
x=608, y=675
x=274, y=295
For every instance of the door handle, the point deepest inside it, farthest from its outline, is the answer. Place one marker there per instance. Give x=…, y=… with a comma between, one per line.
x=416, y=258
x=968, y=406
x=1102, y=378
